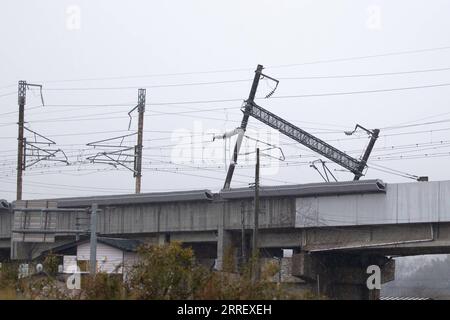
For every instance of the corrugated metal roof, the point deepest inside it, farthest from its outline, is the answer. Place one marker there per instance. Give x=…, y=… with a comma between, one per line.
x=309, y=190
x=129, y=245
x=122, y=244
x=126, y=199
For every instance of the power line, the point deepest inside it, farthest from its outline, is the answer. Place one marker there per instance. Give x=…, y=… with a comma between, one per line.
x=151, y=75
x=8, y=86
x=418, y=156
x=13, y=112
x=7, y=94
x=415, y=132
x=393, y=171
x=247, y=80
x=230, y=70
x=397, y=53
x=149, y=86
x=421, y=119
x=260, y=98
x=365, y=74
x=415, y=125
x=361, y=92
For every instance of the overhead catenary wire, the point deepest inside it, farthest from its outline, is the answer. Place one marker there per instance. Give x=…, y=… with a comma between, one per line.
x=171, y=85
x=149, y=86
x=246, y=69
x=7, y=94
x=362, y=75
x=362, y=57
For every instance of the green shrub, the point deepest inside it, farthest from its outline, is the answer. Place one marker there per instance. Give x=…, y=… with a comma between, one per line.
x=102, y=286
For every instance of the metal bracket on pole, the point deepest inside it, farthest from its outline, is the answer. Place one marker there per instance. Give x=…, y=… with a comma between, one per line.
x=22, y=142
x=374, y=134
x=119, y=157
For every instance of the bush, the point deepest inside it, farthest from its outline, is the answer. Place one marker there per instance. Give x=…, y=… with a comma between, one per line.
x=170, y=272
x=165, y=272
x=9, y=275
x=50, y=264
x=102, y=286
x=233, y=286
x=42, y=288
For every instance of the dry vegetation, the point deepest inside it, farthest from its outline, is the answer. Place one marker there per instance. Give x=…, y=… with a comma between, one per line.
x=163, y=273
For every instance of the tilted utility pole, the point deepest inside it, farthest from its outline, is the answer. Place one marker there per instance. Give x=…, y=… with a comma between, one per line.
x=374, y=136
x=22, y=93
x=255, y=248
x=243, y=127
x=317, y=145
x=138, y=151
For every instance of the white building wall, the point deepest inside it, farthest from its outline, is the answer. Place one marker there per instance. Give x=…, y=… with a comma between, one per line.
x=69, y=264
x=109, y=259
x=129, y=259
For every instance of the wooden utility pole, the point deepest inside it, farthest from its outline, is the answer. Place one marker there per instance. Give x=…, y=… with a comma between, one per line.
x=243, y=242
x=255, y=248
x=93, y=240
x=140, y=135
x=22, y=93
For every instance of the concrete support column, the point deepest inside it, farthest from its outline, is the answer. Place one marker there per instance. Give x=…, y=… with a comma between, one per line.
x=224, y=248
x=342, y=276
x=163, y=238
x=227, y=246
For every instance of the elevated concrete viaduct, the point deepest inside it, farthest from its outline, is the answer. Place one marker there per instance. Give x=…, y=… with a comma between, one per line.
x=336, y=230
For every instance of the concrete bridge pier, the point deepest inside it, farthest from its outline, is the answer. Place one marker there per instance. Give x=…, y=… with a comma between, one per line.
x=228, y=251
x=342, y=276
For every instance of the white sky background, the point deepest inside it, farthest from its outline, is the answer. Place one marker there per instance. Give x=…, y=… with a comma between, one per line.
x=146, y=38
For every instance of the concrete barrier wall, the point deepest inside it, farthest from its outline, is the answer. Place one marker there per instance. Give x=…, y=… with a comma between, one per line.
x=402, y=203
x=180, y=216
x=274, y=213
x=5, y=224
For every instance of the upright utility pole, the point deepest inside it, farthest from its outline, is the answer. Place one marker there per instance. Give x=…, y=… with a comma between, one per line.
x=243, y=127
x=255, y=249
x=93, y=240
x=243, y=242
x=22, y=93
x=138, y=160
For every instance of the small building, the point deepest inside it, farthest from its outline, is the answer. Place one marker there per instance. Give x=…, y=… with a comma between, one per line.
x=114, y=255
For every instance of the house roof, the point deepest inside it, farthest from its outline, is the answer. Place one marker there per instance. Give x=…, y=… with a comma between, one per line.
x=122, y=244
x=129, y=245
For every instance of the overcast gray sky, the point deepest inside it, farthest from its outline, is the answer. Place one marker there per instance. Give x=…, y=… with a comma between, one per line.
x=111, y=48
